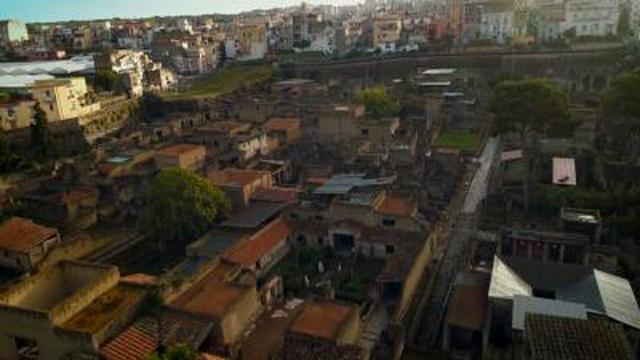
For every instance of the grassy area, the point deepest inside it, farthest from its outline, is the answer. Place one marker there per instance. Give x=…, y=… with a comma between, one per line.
x=350, y=283
x=226, y=81
x=463, y=141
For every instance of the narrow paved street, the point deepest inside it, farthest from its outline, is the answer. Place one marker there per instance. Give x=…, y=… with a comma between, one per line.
x=456, y=248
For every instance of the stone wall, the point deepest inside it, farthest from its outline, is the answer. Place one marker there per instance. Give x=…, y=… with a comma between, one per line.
x=571, y=67
x=116, y=114
x=240, y=316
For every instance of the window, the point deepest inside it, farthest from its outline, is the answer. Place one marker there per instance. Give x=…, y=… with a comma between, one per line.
x=390, y=249
x=321, y=241
x=294, y=215
x=318, y=217
x=51, y=107
x=364, y=132
x=389, y=222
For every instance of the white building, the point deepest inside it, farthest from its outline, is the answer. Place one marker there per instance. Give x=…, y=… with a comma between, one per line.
x=498, y=22
x=592, y=17
x=576, y=18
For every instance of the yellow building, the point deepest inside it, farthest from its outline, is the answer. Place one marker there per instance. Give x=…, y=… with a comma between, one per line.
x=63, y=99
x=386, y=32
x=16, y=114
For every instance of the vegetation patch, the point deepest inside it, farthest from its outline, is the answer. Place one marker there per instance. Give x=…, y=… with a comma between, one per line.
x=234, y=78
x=104, y=309
x=463, y=141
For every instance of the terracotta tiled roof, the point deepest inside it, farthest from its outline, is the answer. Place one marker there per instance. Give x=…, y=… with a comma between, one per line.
x=215, y=299
x=211, y=295
x=236, y=177
x=276, y=194
x=140, y=279
x=216, y=274
x=468, y=307
x=141, y=338
x=296, y=348
x=323, y=319
x=282, y=124
x=21, y=235
x=180, y=149
x=226, y=126
x=396, y=205
x=316, y=180
x=260, y=244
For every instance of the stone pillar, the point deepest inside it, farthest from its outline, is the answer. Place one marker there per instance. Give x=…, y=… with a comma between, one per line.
x=529, y=249
x=561, y=253
x=445, y=337
x=8, y=349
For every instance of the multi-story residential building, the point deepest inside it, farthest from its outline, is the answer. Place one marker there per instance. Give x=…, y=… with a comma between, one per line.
x=248, y=40
x=550, y=19
x=280, y=35
x=82, y=39
x=591, y=17
x=193, y=61
x=12, y=32
x=122, y=61
x=498, y=21
x=159, y=79
x=189, y=54
x=348, y=36
x=471, y=19
x=576, y=18
x=634, y=16
x=16, y=113
x=63, y=99
x=387, y=31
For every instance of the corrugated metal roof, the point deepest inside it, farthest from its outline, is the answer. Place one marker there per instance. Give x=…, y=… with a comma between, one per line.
x=600, y=292
x=439, y=71
x=21, y=81
x=505, y=283
x=523, y=305
x=54, y=67
x=342, y=184
x=618, y=298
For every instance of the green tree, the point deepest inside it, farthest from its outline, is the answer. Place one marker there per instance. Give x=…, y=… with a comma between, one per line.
x=378, y=102
x=181, y=206
x=530, y=108
x=624, y=20
x=621, y=114
x=40, y=137
x=108, y=80
x=175, y=352
x=621, y=103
